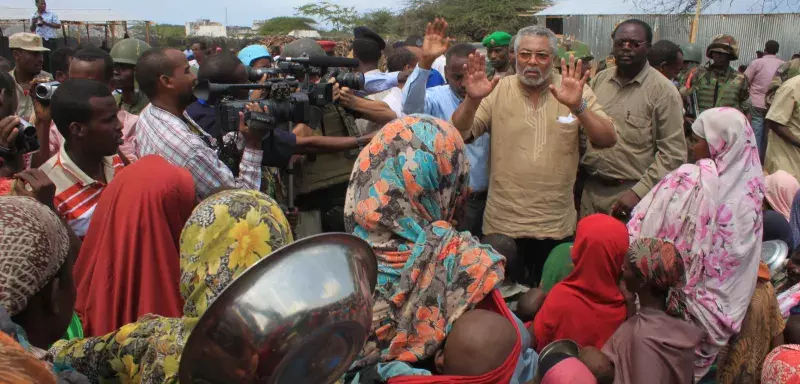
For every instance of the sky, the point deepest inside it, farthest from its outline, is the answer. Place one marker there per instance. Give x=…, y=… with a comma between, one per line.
x=240, y=12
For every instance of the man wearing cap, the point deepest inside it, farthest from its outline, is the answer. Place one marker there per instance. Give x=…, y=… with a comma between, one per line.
x=497, y=51
x=28, y=52
x=367, y=48
x=717, y=84
x=328, y=46
x=45, y=24
x=125, y=54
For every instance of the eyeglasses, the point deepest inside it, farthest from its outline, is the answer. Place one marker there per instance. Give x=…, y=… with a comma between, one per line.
x=541, y=57
x=632, y=43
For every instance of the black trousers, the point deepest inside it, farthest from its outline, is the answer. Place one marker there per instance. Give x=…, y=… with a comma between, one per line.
x=52, y=45
x=472, y=220
x=534, y=253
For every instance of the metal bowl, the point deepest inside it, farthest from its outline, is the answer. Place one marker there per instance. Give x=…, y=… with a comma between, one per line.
x=300, y=315
x=774, y=253
x=564, y=346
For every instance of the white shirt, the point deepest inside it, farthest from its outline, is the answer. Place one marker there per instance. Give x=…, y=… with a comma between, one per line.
x=395, y=101
x=45, y=31
x=439, y=65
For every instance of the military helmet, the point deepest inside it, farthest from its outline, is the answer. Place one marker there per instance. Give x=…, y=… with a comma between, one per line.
x=302, y=47
x=725, y=44
x=691, y=52
x=569, y=46
x=128, y=51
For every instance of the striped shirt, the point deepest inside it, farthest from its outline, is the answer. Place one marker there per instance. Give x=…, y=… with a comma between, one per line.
x=77, y=193
x=183, y=143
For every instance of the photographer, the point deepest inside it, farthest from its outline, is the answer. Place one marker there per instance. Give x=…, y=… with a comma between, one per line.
x=165, y=128
x=13, y=180
x=278, y=146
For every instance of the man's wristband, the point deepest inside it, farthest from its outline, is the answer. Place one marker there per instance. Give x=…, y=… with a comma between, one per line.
x=581, y=107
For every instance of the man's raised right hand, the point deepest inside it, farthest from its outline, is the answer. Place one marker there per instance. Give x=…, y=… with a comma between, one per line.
x=476, y=83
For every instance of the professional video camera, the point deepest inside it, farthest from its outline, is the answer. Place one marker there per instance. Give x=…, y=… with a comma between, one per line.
x=286, y=99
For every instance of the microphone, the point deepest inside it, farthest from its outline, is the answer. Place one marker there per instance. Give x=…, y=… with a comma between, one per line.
x=323, y=61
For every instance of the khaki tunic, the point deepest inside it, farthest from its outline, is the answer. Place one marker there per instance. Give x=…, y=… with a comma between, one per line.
x=648, y=120
x=533, y=161
x=785, y=110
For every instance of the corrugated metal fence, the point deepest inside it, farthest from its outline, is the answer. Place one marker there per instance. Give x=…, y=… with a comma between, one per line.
x=751, y=31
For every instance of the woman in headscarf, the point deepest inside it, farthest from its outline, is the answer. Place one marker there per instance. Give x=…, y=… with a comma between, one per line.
x=558, y=266
x=652, y=346
x=587, y=306
x=560, y=368
x=129, y=264
x=762, y=330
x=226, y=234
x=36, y=290
x=780, y=188
x=782, y=365
x=711, y=211
x=404, y=192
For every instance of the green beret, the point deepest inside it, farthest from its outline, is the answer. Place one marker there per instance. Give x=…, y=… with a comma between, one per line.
x=497, y=39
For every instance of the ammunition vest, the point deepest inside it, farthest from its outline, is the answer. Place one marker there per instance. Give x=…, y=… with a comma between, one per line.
x=325, y=170
x=718, y=91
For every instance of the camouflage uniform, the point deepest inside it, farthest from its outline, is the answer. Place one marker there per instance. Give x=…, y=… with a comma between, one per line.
x=785, y=72
x=727, y=88
x=569, y=46
x=692, y=57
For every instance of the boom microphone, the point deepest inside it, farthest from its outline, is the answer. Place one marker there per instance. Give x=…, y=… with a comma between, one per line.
x=323, y=61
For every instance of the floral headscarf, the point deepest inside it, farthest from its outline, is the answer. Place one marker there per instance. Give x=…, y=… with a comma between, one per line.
x=34, y=244
x=658, y=263
x=711, y=211
x=226, y=234
x=403, y=193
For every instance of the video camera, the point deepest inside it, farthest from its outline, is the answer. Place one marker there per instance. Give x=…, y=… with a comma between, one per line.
x=286, y=99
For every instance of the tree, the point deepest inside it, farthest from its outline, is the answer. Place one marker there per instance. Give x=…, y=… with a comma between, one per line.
x=283, y=25
x=380, y=21
x=338, y=17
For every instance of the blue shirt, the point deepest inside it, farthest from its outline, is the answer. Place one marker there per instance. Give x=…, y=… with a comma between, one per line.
x=441, y=102
x=435, y=79
x=376, y=81
x=45, y=31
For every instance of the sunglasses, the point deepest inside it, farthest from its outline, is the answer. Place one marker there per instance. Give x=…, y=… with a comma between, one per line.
x=632, y=43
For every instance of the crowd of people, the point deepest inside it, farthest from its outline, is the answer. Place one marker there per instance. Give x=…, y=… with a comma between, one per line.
x=514, y=201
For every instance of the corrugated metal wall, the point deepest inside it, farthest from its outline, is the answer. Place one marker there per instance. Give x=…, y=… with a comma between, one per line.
x=751, y=31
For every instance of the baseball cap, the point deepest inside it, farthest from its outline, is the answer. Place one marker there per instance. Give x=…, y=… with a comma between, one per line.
x=253, y=52
x=26, y=41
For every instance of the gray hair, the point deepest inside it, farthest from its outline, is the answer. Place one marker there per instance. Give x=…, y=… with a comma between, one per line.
x=512, y=43
x=538, y=31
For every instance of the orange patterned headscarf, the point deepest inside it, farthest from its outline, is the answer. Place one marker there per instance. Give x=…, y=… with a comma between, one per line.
x=20, y=367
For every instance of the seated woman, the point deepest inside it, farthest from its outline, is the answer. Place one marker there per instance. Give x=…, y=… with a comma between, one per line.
x=226, y=234
x=711, y=211
x=780, y=188
x=587, y=306
x=652, y=346
x=129, y=264
x=777, y=228
x=762, y=330
x=36, y=290
x=405, y=190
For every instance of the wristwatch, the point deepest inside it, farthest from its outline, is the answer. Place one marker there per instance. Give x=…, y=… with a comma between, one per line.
x=361, y=141
x=581, y=107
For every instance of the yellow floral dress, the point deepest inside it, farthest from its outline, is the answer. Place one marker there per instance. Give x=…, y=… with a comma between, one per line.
x=226, y=234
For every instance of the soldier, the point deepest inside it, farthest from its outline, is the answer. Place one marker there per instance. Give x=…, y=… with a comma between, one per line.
x=717, y=84
x=497, y=54
x=692, y=58
x=785, y=72
x=125, y=54
x=567, y=46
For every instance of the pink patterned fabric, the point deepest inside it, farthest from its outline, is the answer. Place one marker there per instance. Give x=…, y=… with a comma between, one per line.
x=782, y=365
x=569, y=371
x=711, y=211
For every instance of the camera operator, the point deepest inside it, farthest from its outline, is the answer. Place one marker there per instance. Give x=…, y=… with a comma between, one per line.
x=13, y=180
x=279, y=146
x=322, y=180
x=165, y=128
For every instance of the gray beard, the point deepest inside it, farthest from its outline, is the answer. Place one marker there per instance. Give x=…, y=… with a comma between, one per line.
x=534, y=83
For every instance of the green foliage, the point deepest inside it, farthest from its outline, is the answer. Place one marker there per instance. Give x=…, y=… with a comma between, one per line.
x=283, y=25
x=338, y=17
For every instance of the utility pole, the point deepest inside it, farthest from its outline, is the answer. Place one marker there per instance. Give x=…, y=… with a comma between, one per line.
x=696, y=23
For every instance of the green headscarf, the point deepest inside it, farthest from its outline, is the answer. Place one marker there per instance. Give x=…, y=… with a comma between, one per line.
x=557, y=267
